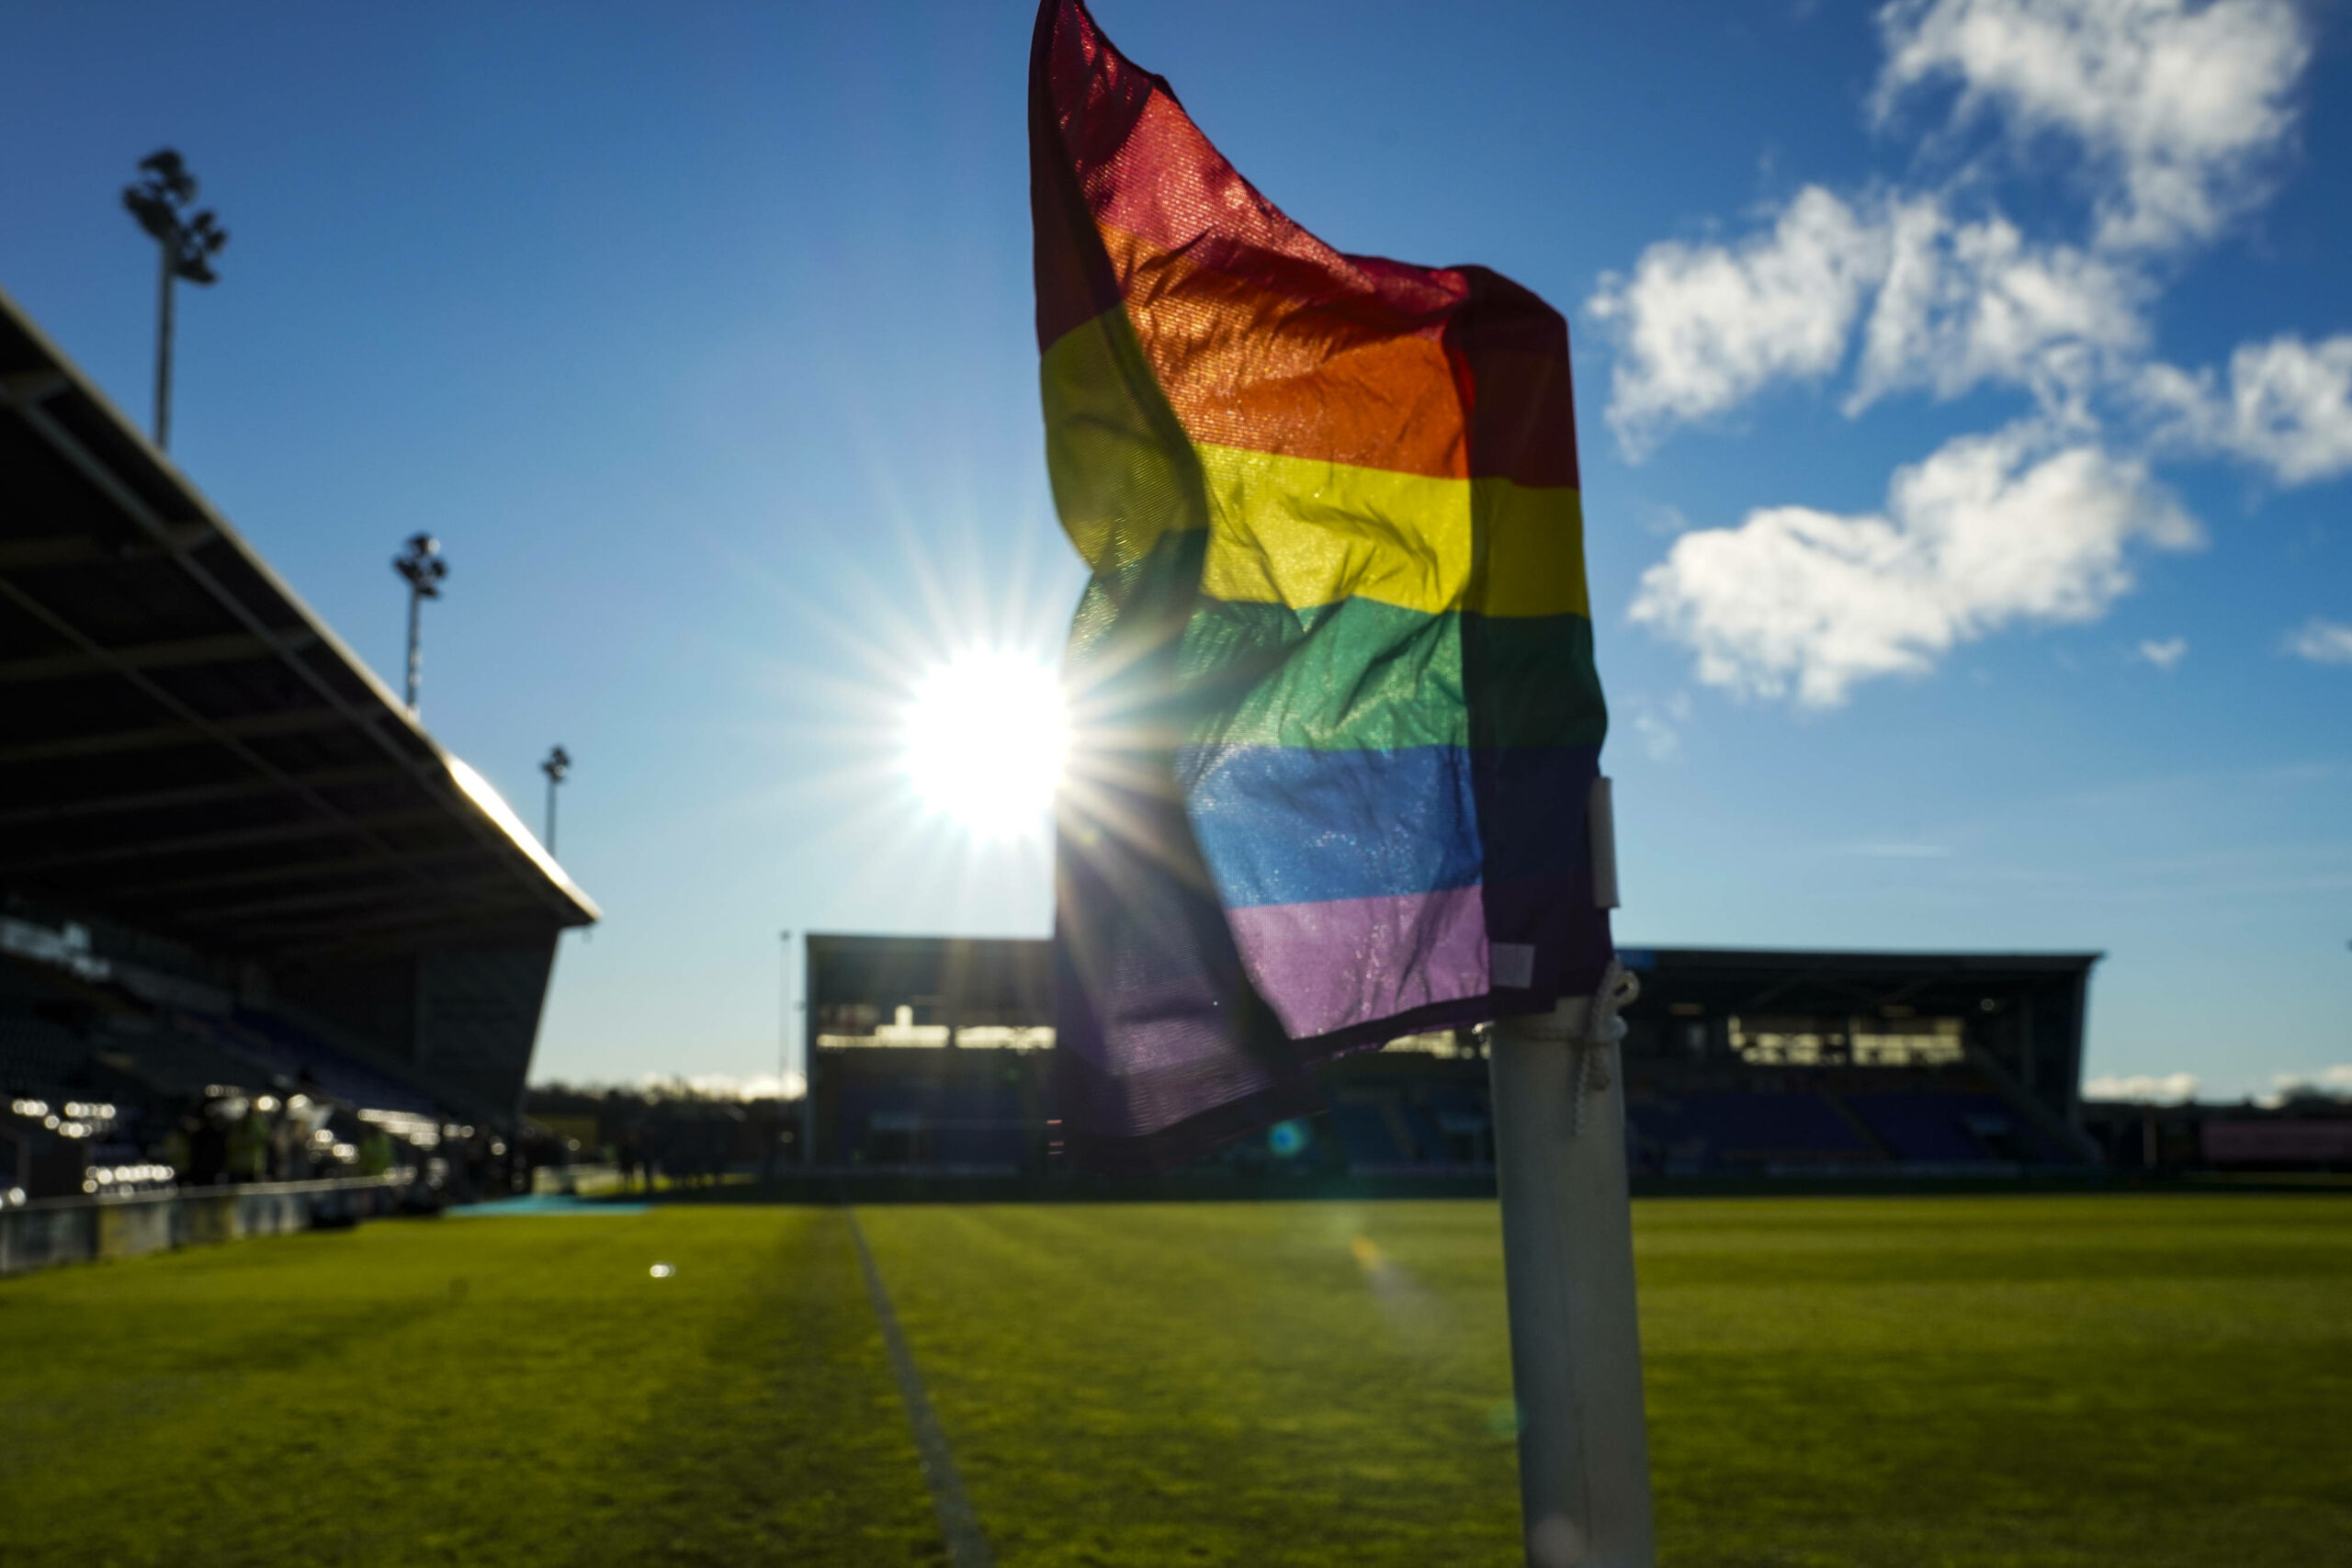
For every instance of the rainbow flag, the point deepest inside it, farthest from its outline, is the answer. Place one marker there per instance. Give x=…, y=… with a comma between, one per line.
x=1335, y=713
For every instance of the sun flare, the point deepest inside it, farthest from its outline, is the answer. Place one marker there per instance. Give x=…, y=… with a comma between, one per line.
x=985, y=739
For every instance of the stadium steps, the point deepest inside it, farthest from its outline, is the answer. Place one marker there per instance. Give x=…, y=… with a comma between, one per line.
x=1400, y=1132
x=1862, y=1129
x=2067, y=1144
x=1429, y=1137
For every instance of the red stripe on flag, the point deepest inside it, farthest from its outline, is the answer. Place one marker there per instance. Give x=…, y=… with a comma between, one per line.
x=1262, y=336
x=1078, y=88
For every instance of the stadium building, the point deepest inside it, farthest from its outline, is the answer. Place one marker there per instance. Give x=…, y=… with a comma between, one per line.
x=256, y=925
x=932, y=1054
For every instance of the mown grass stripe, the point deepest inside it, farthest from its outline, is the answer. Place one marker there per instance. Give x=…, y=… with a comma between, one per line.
x=960, y=1526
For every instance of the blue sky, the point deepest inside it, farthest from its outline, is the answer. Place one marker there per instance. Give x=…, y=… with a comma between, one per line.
x=1964, y=404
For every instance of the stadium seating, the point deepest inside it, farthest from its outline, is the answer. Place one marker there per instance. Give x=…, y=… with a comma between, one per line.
x=181, y=1059
x=1456, y=1102
x=1948, y=1129
x=291, y=1053
x=1742, y=1128
x=1428, y=1128
x=1366, y=1137
x=1429, y=1141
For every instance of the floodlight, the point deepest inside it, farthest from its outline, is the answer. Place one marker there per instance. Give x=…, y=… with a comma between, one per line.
x=556, y=764
x=421, y=566
x=187, y=247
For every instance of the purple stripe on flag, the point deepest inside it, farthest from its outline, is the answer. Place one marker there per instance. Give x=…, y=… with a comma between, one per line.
x=1326, y=965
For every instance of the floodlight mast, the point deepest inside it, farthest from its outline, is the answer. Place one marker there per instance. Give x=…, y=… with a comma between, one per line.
x=557, y=763
x=420, y=566
x=187, y=245
x=783, y=1013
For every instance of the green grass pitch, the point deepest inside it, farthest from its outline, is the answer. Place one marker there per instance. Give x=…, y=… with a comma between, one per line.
x=2151, y=1380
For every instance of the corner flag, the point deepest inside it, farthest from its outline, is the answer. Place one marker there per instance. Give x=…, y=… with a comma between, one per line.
x=1336, y=722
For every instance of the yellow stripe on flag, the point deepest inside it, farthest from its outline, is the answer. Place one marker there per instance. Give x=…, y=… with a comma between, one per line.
x=1295, y=531
x=1301, y=532
x=1123, y=470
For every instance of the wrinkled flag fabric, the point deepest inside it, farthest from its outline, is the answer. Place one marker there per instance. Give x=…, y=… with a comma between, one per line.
x=1334, y=712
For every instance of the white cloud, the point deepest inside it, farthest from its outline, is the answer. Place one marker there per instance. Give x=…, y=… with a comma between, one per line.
x=2321, y=642
x=2178, y=104
x=1990, y=530
x=721, y=1086
x=2173, y=110
x=1966, y=303
x=2328, y=1083
x=2288, y=407
x=1702, y=327
x=1660, y=724
x=1950, y=305
x=2143, y=1087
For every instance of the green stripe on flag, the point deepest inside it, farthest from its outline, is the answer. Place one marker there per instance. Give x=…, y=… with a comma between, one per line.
x=1361, y=675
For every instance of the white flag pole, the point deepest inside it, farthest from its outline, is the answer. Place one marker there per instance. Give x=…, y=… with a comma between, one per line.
x=1576, y=1349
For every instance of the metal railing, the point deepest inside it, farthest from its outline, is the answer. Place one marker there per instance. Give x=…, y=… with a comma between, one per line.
x=130, y=1224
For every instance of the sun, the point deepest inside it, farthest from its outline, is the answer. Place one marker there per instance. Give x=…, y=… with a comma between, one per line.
x=985, y=738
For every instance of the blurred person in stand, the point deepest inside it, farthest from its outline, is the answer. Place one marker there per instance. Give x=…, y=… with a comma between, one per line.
x=208, y=1160
x=249, y=1147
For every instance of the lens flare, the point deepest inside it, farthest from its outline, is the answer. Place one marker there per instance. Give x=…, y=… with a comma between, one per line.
x=985, y=740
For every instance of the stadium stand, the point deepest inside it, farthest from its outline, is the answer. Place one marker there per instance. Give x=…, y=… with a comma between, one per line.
x=1366, y=1136
x=2306, y=1130
x=249, y=910
x=930, y=1053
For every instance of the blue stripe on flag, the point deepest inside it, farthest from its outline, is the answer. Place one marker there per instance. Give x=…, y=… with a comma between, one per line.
x=1285, y=825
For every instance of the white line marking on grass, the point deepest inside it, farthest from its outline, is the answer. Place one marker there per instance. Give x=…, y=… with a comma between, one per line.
x=959, y=1525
